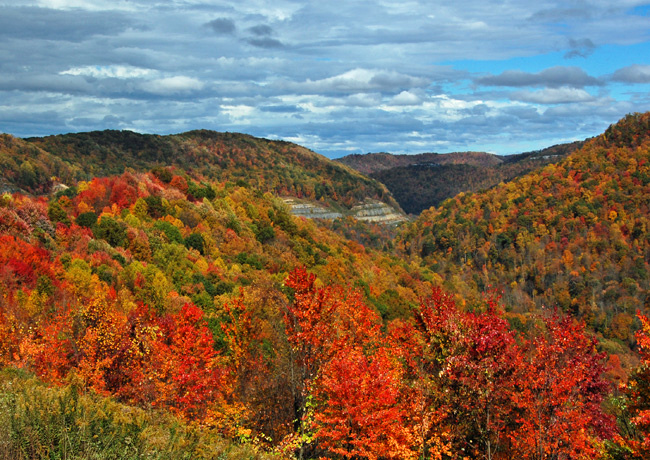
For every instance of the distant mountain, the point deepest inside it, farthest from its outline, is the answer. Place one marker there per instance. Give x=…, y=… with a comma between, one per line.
x=420, y=181
x=573, y=235
x=36, y=164
x=372, y=163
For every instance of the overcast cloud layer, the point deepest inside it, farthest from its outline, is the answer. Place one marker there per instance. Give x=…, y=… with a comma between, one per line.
x=338, y=77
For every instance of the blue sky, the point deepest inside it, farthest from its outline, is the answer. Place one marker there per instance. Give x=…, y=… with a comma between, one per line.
x=346, y=77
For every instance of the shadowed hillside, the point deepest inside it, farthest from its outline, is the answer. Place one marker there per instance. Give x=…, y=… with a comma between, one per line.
x=420, y=181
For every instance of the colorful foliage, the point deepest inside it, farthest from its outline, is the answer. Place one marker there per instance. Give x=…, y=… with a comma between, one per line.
x=170, y=291
x=573, y=235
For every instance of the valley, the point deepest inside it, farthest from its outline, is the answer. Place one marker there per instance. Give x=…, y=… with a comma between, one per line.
x=419, y=182
x=236, y=296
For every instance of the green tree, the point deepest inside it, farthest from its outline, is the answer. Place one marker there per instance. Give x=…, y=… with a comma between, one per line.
x=111, y=230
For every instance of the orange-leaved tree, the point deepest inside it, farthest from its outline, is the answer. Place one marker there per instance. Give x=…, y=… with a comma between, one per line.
x=359, y=412
x=637, y=444
x=185, y=368
x=562, y=388
x=347, y=386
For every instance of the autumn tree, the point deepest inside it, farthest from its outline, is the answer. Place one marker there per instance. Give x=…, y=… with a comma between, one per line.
x=334, y=336
x=359, y=412
x=185, y=367
x=561, y=390
x=464, y=377
x=635, y=442
x=483, y=375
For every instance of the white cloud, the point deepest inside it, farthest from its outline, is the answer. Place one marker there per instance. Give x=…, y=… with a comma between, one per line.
x=173, y=85
x=356, y=81
x=362, y=100
x=110, y=71
x=553, y=96
x=90, y=5
x=406, y=98
x=281, y=10
x=238, y=112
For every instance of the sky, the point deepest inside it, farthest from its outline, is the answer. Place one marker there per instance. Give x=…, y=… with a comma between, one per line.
x=338, y=77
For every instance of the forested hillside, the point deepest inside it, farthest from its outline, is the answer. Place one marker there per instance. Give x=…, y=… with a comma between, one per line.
x=573, y=235
x=279, y=167
x=186, y=313
x=420, y=181
x=372, y=163
x=134, y=270
x=251, y=325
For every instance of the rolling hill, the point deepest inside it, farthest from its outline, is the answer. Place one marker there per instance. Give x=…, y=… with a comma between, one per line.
x=165, y=302
x=282, y=168
x=420, y=181
x=573, y=235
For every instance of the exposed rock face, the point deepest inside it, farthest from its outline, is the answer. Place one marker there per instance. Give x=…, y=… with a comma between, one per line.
x=376, y=211
x=310, y=210
x=369, y=211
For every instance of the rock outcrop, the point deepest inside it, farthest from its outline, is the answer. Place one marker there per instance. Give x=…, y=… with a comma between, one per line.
x=376, y=211
x=368, y=211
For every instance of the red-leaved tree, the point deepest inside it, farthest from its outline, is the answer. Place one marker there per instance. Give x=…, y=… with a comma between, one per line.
x=559, y=403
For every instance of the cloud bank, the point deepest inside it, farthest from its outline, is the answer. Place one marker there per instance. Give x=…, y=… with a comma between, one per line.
x=353, y=77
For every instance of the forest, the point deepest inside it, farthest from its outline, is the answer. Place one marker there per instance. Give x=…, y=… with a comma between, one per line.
x=573, y=235
x=175, y=308
x=35, y=165
x=419, y=182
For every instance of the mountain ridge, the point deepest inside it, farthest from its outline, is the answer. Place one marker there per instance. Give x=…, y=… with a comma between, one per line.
x=370, y=163
x=572, y=235
x=280, y=167
x=420, y=181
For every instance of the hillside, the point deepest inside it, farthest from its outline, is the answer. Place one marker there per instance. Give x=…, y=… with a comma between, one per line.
x=372, y=163
x=186, y=313
x=223, y=325
x=573, y=235
x=282, y=168
x=420, y=181
x=131, y=282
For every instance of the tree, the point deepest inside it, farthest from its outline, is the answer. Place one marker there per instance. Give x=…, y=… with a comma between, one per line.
x=483, y=373
x=56, y=213
x=561, y=389
x=358, y=408
x=637, y=441
x=465, y=376
x=111, y=230
x=322, y=324
x=87, y=219
x=195, y=241
x=185, y=367
x=100, y=342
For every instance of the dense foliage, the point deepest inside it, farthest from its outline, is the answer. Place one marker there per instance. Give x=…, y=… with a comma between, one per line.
x=275, y=166
x=171, y=316
x=573, y=235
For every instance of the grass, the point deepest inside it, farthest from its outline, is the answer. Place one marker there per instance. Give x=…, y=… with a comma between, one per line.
x=60, y=423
